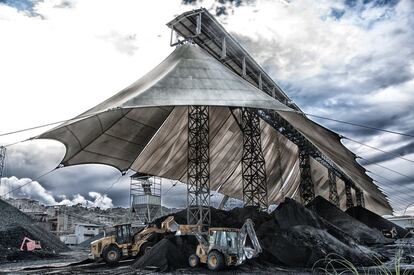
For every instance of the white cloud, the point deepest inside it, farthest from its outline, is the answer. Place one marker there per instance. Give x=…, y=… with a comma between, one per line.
x=26, y=188
x=99, y=200
x=30, y=189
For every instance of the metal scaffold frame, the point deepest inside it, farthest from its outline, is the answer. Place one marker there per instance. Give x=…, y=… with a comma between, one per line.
x=333, y=190
x=145, y=196
x=253, y=162
x=198, y=166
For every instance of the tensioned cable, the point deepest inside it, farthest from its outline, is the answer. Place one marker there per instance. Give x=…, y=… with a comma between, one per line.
x=378, y=149
x=400, y=200
x=389, y=186
x=389, y=169
x=362, y=126
x=35, y=179
x=54, y=123
x=389, y=194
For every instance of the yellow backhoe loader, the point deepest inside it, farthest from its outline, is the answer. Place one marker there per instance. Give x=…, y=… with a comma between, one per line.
x=221, y=246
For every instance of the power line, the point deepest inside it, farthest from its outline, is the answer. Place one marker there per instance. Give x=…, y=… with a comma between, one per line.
x=35, y=179
x=362, y=126
x=389, y=169
x=54, y=123
x=378, y=149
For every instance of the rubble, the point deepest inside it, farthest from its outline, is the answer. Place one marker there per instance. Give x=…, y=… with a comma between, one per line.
x=14, y=226
x=375, y=221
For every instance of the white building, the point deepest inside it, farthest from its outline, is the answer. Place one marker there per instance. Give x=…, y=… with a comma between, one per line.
x=85, y=231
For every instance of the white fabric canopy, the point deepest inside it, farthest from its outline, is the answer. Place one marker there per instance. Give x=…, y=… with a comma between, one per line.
x=144, y=128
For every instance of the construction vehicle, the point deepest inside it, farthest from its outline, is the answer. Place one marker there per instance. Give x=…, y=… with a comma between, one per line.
x=123, y=244
x=222, y=246
x=29, y=244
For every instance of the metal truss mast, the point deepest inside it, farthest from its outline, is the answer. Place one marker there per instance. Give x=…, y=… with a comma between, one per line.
x=333, y=191
x=253, y=162
x=198, y=166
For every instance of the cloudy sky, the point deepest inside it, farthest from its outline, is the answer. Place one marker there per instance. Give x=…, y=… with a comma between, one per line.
x=351, y=60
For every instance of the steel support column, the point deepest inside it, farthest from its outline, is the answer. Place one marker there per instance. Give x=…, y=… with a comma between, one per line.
x=198, y=166
x=253, y=162
x=333, y=191
x=306, y=188
x=348, y=195
x=359, y=194
x=2, y=160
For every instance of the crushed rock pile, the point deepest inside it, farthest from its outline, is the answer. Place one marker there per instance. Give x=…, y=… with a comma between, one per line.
x=292, y=236
x=360, y=231
x=375, y=221
x=168, y=254
x=14, y=226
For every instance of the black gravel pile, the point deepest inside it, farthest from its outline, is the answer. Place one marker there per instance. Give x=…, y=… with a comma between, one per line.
x=292, y=236
x=168, y=254
x=362, y=233
x=15, y=225
x=375, y=221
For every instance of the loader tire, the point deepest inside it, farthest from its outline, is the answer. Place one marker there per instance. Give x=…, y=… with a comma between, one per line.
x=145, y=248
x=111, y=254
x=193, y=260
x=215, y=260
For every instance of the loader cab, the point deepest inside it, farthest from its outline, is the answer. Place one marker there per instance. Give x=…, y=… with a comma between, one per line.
x=123, y=233
x=223, y=239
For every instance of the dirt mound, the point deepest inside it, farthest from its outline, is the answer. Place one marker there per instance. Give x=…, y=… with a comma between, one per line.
x=362, y=233
x=15, y=225
x=168, y=254
x=375, y=221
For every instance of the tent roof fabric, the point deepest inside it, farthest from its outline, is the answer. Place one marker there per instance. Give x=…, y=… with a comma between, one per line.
x=144, y=128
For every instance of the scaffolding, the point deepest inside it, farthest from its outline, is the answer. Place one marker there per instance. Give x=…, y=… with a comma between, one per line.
x=145, y=198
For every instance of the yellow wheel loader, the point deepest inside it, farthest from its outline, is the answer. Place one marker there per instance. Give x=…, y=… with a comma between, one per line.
x=124, y=245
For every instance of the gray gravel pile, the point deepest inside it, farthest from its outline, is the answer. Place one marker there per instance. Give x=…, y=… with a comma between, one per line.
x=358, y=230
x=373, y=220
x=15, y=225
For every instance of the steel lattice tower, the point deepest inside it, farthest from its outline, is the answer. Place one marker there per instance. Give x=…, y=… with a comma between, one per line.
x=359, y=194
x=198, y=166
x=253, y=162
x=306, y=188
x=333, y=191
x=2, y=160
x=348, y=195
